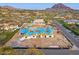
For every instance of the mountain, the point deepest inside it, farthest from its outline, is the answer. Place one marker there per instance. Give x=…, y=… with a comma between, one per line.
x=59, y=6
x=8, y=7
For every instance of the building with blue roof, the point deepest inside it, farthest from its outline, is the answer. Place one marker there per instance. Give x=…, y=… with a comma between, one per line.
x=37, y=31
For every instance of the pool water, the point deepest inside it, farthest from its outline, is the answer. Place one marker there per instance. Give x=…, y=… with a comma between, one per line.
x=36, y=31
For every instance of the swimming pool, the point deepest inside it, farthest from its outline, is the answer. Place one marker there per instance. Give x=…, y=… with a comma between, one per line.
x=37, y=31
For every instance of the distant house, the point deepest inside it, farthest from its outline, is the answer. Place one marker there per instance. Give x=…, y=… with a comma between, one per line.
x=39, y=22
x=72, y=21
x=6, y=26
x=59, y=17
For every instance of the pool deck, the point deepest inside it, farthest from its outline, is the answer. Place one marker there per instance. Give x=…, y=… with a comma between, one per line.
x=58, y=41
x=31, y=30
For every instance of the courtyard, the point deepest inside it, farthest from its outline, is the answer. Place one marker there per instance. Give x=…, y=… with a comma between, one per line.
x=39, y=39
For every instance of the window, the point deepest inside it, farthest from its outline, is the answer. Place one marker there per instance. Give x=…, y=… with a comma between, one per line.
x=49, y=36
x=45, y=36
x=26, y=37
x=33, y=36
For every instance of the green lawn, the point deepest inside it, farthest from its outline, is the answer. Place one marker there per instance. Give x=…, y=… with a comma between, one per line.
x=74, y=30
x=6, y=36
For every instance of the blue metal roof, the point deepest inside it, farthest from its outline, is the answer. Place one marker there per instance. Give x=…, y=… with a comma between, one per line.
x=38, y=30
x=23, y=30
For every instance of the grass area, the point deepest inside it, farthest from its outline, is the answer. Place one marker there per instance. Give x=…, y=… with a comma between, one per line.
x=68, y=26
x=34, y=51
x=76, y=31
x=6, y=36
x=6, y=50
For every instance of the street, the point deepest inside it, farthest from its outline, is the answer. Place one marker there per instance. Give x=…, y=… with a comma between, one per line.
x=67, y=34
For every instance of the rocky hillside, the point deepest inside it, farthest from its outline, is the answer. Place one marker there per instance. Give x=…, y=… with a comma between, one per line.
x=59, y=6
x=60, y=10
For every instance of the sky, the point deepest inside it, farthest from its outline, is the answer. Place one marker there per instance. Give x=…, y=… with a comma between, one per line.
x=38, y=6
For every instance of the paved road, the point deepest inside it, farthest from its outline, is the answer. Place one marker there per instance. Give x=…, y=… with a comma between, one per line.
x=67, y=34
x=51, y=52
x=60, y=52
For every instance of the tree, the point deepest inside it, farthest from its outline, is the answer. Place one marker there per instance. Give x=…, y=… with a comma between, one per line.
x=34, y=51
x=6, y=50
